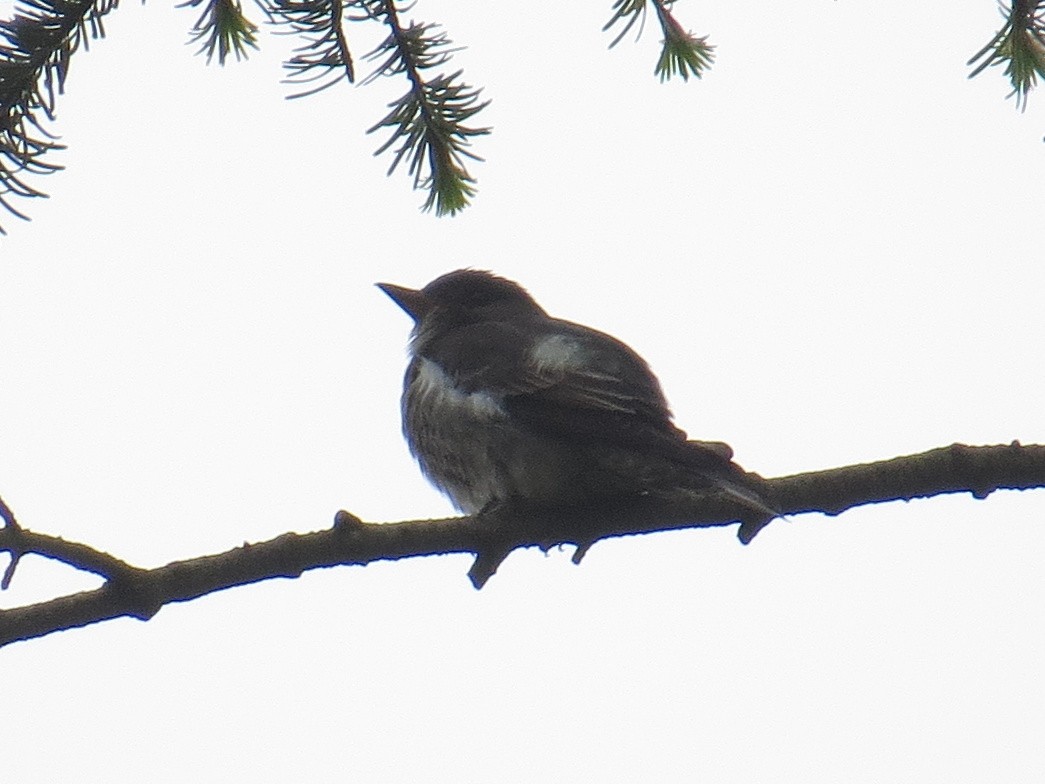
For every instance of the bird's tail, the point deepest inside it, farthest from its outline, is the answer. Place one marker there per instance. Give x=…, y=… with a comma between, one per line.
x=713, y=462
x=755, y=501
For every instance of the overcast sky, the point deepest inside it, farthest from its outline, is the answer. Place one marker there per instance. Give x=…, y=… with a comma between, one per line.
x=830, y=251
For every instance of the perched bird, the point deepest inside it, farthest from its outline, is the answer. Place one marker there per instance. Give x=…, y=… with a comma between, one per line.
x=501, y=402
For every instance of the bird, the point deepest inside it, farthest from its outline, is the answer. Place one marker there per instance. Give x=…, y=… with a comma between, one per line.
x=503, y=403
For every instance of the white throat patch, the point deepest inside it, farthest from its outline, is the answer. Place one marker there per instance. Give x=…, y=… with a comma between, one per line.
x=437, y=389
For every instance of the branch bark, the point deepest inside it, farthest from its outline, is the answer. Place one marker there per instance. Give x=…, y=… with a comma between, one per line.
x=140, y=593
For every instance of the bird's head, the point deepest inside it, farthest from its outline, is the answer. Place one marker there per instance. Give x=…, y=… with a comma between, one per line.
x=461, y=297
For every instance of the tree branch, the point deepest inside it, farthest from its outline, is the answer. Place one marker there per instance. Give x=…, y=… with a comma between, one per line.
x=140, y=593
x=35, y=46
x=682, y=53
x=1019, y=45
x=324, y=57
x=428, y=121
x=223, y=29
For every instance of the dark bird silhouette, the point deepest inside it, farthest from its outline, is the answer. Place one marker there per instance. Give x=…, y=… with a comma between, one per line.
x=501, y=403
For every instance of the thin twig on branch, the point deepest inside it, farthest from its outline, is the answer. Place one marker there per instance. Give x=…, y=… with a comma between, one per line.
x=140, y=593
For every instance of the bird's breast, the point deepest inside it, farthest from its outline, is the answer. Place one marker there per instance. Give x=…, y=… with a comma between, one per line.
x=469, y=447
x=452, y=433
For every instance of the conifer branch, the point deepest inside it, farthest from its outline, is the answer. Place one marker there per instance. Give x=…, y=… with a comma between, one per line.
x=325, y=54
x=1020, y=45
x=682, y=54
x=35, y=46
x=223, y=29
x=427, y=124
x=428, y=121
x=626, y=13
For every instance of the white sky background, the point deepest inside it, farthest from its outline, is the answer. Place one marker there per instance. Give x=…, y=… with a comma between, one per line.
x=830, y=251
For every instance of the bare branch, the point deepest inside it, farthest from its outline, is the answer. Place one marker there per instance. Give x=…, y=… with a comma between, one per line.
x=15, y=531
x=7, y=515
x=140, y=593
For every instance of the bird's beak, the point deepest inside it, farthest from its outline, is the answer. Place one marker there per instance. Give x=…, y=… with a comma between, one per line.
x=413, y=301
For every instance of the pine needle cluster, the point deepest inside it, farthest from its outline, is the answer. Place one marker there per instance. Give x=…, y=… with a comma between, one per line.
x=1019, y=46
x=429, y=126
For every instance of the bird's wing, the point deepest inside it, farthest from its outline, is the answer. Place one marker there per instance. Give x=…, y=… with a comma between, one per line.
x=578, y=384
x=561, y=363
x=580, y=369
x=568, y=381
